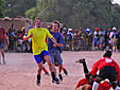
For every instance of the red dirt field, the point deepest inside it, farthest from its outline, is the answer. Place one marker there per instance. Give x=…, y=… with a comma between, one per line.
x=19, y=73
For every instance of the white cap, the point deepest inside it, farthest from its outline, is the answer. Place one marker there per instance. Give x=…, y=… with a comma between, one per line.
x=70, y=29
x=87, y=30
x=114, y=28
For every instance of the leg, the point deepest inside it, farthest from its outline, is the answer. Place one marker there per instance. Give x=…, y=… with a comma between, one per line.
x=59, y=62
x=3, y=55
x=60, y=69
x=39, y=73
x=39, y=64
x=46, y=72
x=65, y=71
x=52, y=69
x=47, y=58
x=2, y=52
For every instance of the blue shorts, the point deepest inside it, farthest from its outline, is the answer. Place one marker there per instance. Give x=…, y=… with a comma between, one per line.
x=39, y=58
x=2, y=44
x=56, y=57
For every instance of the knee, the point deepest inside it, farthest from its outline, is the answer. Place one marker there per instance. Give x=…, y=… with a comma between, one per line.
x=2, y=50
x=61, y=66
x=39, y=69
x=49, y=63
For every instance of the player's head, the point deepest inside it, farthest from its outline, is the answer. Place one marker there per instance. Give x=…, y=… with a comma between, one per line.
x=108, y=54
x=38, y=22
x=55, y=26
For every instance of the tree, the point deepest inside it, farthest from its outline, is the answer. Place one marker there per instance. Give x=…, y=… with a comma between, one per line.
x=75, y=13
x=116, y=15
x=2, y=4
x=16, y=8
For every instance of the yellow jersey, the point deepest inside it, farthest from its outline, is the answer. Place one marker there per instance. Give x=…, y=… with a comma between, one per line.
x=39, y=43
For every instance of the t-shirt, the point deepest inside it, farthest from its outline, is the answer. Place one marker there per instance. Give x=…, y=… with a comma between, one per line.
x=59, y=39
x=38, y=39
x=2, y=32
x=105, y=62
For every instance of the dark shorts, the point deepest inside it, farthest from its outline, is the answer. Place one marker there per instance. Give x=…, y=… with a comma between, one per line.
x=108, y=73
x=2, y=44
x=56, y=57
x=39, y=58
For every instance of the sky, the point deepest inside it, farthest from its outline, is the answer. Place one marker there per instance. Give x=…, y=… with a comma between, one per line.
x=116, y=1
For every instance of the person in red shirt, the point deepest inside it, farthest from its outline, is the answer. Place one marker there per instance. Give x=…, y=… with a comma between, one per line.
x=108, y=69
x=86, y=83
x=3, y=39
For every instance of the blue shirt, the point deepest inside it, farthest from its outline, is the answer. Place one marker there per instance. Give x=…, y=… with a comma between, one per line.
x=59, y=39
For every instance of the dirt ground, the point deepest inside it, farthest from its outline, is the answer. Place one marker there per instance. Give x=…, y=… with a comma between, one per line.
x=19, y=73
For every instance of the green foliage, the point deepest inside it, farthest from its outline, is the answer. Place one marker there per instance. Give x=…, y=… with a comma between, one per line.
x=16, y=8
x=116, y=15
x=31, y=13
x=2, y=4
x=74, y=13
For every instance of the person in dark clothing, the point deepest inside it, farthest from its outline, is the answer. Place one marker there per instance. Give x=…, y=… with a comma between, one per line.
x=106, y=41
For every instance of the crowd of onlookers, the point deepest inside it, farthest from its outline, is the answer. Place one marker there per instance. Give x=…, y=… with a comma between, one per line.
x=75, y=40
x=16, y=42
x=97, y=39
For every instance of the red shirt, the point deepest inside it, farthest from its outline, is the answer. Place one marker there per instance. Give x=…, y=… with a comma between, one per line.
x=102, y=86
x=105, y=62
x=2, y=33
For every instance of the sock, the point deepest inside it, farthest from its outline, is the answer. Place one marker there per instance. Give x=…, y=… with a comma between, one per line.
x=63, y=69
x=117, y=88
x=38, y=77
x=45, y=70
x=95, y=86
x=53, y=75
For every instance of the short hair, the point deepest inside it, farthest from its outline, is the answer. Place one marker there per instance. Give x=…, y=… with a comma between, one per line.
x=38, y=18
x=108, y=54
x=58, y=23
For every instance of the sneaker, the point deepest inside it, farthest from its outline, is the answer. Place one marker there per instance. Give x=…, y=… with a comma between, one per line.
x=47, y=73
x=60, y=77
x=56, y=81
x=38, y=82
x=65, y=71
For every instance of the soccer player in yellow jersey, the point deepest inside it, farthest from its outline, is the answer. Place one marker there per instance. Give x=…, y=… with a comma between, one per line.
x=40, y=48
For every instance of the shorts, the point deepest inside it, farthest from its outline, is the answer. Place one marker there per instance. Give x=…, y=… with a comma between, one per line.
x=56, y=57
x=108, y=73
x=39, y=58
x=2, y=44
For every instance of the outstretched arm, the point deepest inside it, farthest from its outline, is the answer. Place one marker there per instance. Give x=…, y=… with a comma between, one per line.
x=85, y=68
x=83, y=62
